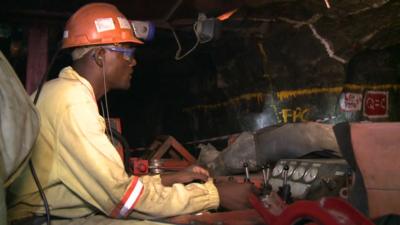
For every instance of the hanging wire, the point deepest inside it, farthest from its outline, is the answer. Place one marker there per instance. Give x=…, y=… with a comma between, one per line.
x=178, y=55
x=41, y=192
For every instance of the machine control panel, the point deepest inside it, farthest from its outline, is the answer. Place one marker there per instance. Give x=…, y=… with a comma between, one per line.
x=311, y=178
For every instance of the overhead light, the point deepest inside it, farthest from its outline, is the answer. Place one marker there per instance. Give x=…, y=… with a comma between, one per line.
x=226, y=15
x=327, y=4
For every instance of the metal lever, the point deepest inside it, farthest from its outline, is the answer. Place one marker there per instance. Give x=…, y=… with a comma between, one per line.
x=284, y=191
x=266, y=173
x=344, y=192
x=285, y=172
x=349, y=176
x=246, y=169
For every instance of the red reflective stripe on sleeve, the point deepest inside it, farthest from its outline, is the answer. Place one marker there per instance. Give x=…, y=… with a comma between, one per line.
x=134, y=203
x=133, y=193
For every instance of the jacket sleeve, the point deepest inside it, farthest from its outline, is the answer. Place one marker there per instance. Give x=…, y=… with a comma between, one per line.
x=91, y=167
x=160, y=201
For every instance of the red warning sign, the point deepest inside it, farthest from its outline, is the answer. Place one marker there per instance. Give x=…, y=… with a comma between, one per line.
x=350, y=102
x=376, y=104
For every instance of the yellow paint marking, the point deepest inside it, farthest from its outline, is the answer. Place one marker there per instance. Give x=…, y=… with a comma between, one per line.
x=282, y=95
x=287, y=94
x=296, y=115
x=258, y=96
x=361, y=87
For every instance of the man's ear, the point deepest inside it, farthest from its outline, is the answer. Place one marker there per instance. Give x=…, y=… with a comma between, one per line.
x=98, y=56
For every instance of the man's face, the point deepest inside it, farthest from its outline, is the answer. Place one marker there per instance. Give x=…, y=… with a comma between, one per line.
x=118, y=66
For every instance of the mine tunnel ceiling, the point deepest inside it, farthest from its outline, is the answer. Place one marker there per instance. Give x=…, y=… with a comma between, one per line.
x=173, y=10
x=156, y=10
x=350, y=25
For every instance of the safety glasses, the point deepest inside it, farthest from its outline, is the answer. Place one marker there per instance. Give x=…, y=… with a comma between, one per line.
x=127, y=53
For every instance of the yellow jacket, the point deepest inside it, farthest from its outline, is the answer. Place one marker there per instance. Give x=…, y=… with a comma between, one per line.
x=82, y=173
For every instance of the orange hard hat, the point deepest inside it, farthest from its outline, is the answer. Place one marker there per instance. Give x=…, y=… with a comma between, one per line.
x=97, y=24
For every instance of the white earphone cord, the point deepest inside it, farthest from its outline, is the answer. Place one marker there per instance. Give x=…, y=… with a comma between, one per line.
x=106, y=102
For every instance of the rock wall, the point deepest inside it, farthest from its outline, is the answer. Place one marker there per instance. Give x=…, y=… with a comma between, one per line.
x=281, y=62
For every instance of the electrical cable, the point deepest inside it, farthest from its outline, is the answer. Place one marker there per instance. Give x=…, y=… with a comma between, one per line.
x=178, y=52
x=41, y=192
x=32, y=168
x=46, y=75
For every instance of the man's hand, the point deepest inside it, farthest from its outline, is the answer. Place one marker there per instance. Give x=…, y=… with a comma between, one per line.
x=233, y=195
x=190, y=174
